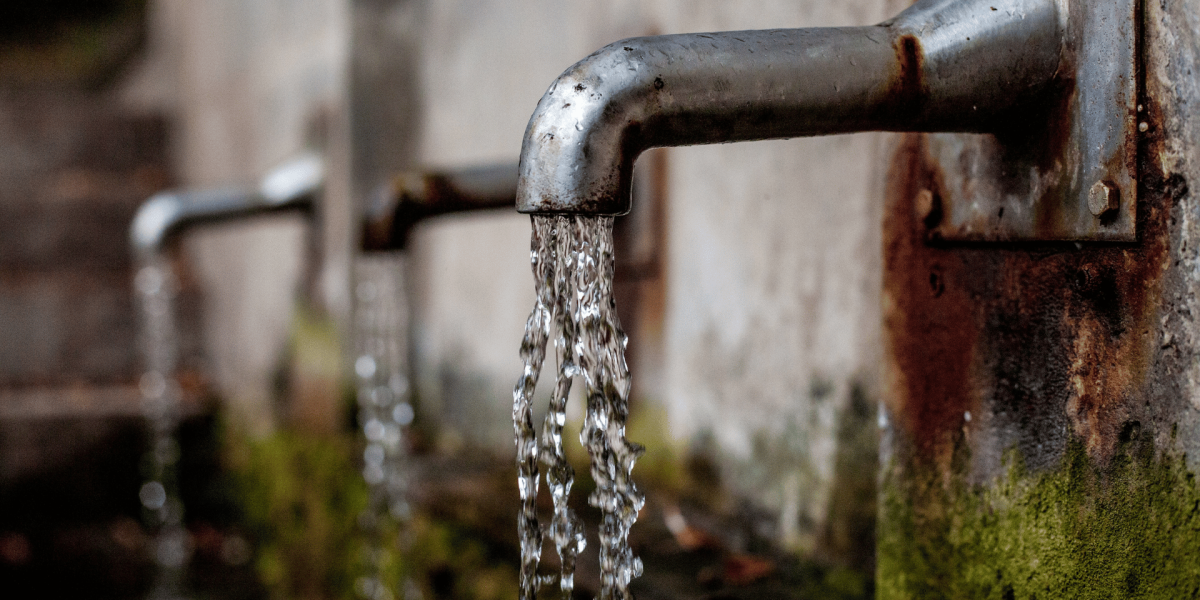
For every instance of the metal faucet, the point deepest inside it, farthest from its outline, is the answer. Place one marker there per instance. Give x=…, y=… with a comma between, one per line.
x=292, y=186
x=940, y=66
x=417, y=195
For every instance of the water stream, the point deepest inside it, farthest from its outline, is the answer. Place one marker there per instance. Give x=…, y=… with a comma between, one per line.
x=170, y=546
x=385, y=413
x=572, y=260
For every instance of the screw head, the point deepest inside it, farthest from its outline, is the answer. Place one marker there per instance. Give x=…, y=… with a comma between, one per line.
x=927, y=208
x=1103, y=198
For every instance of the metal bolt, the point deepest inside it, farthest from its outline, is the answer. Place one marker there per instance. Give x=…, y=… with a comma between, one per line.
x=927, y=208
x=1103, y=197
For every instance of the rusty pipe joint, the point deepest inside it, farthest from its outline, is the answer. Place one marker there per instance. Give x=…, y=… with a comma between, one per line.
x=292, y=186
x=413, y=196
x=941, y=65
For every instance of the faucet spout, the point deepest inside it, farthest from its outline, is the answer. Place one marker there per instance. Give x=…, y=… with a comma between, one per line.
x=941, y=65
x=292, y=186
x=413, y=196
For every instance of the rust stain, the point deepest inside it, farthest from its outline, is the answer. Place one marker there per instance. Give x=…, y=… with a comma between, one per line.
x=1053, y=339
x=413, y=197
x=640, y=285
x=929, y=315
x=908, y=89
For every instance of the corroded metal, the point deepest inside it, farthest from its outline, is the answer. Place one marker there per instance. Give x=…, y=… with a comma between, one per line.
x=293, y=186
x=1029, y=382
x=960, y=66
x=1033, y=180
x=1036, y=101
x=413, y=196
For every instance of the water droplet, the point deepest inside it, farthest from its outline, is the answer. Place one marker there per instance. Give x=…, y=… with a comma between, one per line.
x=391, y=436
x=381, y=396
x=403, y=413
x=373, y=430
x=374, y=454
x=373, y=474
x=365, y=366
x=153, y=495
x=578, y=126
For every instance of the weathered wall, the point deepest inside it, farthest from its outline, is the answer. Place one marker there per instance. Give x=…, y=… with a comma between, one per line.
x=484, y=67
x=1041, y=408
x=756, y=329
x=768, y=324
x=249, y=84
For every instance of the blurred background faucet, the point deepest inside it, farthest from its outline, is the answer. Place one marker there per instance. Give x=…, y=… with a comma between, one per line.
x=290, y=187
x=412, y=196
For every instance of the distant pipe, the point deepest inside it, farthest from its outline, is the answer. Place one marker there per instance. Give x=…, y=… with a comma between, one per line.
x=293, y=186
x=417, y=195
x=941, y=65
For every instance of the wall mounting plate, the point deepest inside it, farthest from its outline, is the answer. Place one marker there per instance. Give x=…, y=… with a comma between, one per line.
x=1034, y=183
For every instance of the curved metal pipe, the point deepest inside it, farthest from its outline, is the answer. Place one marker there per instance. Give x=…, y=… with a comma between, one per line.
x=941, y=65
x=293, y=186
x=414, y=196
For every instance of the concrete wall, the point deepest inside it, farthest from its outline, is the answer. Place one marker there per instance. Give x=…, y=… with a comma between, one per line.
x=247, y=85
x=764, y=324
x=771, y=319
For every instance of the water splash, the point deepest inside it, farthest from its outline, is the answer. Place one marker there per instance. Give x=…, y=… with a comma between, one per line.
x=381, y=334
x=156, y=289
x=533, y=354
x=600, y=349
x=572, y=262
x=566, y=530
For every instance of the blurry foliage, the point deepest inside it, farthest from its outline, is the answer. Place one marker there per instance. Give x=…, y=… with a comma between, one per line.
x=664, y=466
x=452, y=562
x=300, y=497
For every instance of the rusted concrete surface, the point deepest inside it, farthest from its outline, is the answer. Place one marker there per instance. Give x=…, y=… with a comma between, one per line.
x=1042, y=393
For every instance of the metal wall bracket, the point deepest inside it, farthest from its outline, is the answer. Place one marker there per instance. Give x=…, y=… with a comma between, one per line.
x=1067, y=169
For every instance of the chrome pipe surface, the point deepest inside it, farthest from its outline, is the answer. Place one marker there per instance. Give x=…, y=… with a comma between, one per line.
x=293, y=186
x=417, y=195
x=941, y=65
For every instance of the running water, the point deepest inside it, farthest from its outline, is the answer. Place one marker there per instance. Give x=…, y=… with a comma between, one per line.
x=171, y=545
x=572, y=259
x=381, y=333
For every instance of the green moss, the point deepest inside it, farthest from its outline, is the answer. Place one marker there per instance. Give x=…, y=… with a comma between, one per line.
x=663, y=466
x=453, y=562
x=1126, y=529
x=300, y=496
